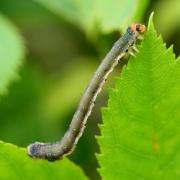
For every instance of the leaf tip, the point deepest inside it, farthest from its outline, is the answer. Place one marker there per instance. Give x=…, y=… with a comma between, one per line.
x=150, y=22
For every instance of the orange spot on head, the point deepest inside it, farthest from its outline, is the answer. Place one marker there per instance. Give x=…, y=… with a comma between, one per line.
x=141, y=28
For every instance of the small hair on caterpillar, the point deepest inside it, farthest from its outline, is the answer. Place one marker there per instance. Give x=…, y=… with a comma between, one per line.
x=64, y=147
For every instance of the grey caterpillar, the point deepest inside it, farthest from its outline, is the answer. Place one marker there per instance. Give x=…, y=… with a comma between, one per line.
x=64, y=147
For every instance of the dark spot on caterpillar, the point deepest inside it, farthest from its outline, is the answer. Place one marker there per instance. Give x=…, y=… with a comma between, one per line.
x=106, y=70
x=93, y=92
x=84, y=114
x=52, y=160
x=126, y=50
x=138, y=27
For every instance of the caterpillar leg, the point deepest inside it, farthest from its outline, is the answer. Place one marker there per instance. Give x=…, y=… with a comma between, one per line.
x=131, y=52
x=135, y=48
x=140, y=37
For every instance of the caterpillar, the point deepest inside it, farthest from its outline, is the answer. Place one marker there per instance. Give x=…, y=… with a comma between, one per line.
x=64, y=147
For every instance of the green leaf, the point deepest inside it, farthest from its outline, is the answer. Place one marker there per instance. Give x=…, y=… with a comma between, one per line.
x=11, y=53
x=106, y=15
x=141, y=133
x=16, y=164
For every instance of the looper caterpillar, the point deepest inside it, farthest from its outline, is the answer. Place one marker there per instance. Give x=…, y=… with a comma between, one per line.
x=53, y=151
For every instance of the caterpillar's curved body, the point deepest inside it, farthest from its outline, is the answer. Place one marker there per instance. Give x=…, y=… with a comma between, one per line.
x=53, y=151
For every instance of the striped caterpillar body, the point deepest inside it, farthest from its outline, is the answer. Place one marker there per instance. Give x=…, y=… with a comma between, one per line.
x=64, y=147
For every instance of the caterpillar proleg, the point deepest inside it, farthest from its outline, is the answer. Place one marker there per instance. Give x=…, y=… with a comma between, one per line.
x=66, y=145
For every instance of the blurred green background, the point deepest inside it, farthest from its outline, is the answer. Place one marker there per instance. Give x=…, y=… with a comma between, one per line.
x=63, y=49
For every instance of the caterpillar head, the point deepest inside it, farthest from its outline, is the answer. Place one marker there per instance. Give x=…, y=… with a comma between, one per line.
x=140, y=28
